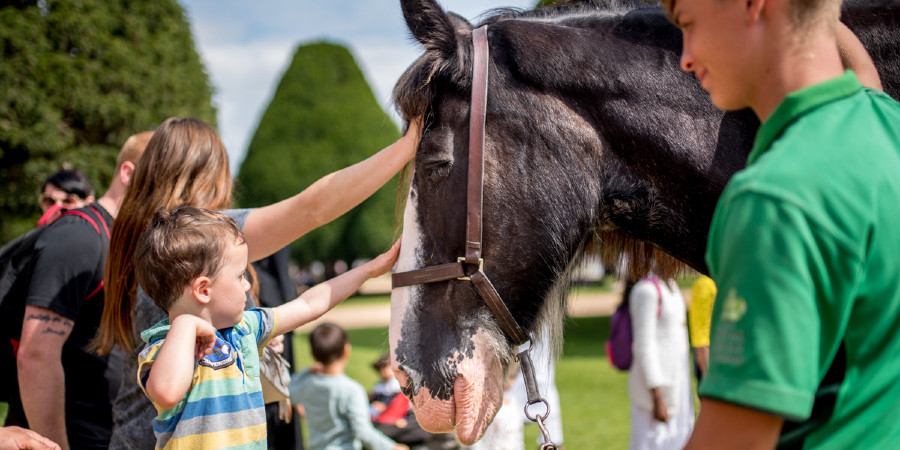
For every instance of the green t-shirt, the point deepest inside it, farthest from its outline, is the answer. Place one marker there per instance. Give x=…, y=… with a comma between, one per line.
x=805, y=249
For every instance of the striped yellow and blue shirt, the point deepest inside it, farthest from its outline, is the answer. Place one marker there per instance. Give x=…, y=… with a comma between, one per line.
x=224, y=407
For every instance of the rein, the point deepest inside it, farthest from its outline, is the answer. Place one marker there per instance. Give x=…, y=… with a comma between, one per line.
x=471, y=266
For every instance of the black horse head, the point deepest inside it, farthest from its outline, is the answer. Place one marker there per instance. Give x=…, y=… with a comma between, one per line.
x=593, y=135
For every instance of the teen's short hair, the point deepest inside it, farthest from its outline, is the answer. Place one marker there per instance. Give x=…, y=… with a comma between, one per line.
x=180, y=245
x=802, y=13
x=327, y=342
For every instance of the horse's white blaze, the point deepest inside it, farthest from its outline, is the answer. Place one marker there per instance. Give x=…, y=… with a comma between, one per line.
x=400, y=297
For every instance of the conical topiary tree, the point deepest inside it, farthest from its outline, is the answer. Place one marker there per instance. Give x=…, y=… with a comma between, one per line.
x=322, y=117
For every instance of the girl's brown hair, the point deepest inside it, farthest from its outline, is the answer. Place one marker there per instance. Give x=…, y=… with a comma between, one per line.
x=185, y=163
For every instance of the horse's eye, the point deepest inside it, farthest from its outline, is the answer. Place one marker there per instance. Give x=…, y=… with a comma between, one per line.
x=437, y=169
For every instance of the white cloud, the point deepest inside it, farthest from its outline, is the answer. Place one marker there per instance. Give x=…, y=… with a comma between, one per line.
x=246, y=46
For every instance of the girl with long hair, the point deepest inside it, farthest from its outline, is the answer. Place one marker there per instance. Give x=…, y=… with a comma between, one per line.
x=185, y=163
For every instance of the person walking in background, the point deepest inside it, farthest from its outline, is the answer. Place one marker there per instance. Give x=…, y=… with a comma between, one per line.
x=703, y=296
x=63, y=190
x=201, y=366
x=659, y=381
x=187, y=164
x=336, y=406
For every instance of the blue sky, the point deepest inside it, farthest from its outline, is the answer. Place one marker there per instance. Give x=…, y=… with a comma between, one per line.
x=246, y=45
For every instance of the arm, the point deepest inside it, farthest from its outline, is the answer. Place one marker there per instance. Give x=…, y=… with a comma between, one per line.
x=188, y=339
x=644, y=304
x=40, y=371
x=855, y=57
x=723, y=425
x=322, y=297
x=272, y=227
x=357, y=416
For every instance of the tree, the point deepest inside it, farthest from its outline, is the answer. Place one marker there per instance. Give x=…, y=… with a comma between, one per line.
x=78, y=77
x=322, y=117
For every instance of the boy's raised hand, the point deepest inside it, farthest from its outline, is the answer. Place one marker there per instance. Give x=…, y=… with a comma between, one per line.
x=382, y=263
x=206, y=338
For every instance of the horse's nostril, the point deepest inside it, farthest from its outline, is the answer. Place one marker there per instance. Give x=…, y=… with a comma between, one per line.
x=404, y=381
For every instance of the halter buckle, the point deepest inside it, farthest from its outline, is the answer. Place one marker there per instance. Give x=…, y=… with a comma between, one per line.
x=462, y=259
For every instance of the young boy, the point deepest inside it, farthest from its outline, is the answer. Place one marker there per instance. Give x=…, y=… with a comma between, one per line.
x=201, y=366
x=803, y=243
x=336, y=406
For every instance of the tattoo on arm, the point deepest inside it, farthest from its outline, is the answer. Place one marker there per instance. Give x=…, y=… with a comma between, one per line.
x=55, y=325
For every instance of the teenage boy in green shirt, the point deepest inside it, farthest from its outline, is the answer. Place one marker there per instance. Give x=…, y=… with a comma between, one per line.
x=803, y=244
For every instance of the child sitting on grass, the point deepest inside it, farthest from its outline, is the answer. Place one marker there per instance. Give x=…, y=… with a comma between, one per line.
x=336, y=406
x=201, y=366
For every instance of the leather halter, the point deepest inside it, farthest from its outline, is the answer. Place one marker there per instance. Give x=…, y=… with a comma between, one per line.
x=471, y=266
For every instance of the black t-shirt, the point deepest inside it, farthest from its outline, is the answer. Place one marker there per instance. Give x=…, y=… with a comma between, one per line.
x=68, y=264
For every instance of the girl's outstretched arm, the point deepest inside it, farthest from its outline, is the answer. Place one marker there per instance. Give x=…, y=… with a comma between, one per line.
x=272, y=227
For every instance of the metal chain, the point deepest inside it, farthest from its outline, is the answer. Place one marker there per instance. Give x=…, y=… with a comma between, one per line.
x=534, y=397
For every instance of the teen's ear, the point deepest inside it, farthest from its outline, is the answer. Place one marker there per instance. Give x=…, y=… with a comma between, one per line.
x=754, y=8
x=125, y=172
x=200, y=289
x=347, y=348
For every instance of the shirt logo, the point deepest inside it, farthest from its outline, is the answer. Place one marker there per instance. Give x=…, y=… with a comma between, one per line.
x=734, y=307
x=222, y=355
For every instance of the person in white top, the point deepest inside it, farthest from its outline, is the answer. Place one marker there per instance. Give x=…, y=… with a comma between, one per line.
x=659, y=383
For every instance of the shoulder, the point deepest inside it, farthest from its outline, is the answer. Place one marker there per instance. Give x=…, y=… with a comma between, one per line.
x=239, y=215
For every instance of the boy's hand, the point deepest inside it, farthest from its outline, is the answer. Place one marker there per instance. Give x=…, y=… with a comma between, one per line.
x=382, y=263
x=206, y=338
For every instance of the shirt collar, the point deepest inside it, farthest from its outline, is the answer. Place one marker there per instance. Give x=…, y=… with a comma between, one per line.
x=799, y=103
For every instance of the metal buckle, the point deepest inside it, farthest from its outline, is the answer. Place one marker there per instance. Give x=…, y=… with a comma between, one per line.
x=462, y=259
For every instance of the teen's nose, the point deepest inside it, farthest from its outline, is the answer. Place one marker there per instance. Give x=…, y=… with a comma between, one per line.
x=687, y=60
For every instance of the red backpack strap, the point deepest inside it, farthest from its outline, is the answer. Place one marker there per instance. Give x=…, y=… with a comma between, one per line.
x=100, y=216
x=91, y=220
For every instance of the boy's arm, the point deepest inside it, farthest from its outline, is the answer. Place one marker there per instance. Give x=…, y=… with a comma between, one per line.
x=189, y=338
x=361, y=424
x=271, y=227
x=319, y=299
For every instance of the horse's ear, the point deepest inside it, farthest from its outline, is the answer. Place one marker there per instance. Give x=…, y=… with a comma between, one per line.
x=460, y=24
x=430, y=25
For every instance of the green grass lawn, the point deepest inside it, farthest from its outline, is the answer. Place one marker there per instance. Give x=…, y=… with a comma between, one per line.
x=593, y=395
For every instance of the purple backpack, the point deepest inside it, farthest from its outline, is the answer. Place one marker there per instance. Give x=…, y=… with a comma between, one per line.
x=619, y=346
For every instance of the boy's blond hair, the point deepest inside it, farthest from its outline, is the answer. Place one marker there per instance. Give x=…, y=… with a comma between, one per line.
x=180, y=245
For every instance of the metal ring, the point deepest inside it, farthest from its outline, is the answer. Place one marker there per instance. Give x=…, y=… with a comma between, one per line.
x=542, y=417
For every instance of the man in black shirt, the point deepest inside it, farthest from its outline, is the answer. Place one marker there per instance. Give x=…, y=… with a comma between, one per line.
x=65, y=389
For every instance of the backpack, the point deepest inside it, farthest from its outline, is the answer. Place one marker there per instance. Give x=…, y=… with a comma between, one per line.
x=619, y=347
x=15, y=278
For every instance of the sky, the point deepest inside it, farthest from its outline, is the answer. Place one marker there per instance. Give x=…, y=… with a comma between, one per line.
x=246, y=46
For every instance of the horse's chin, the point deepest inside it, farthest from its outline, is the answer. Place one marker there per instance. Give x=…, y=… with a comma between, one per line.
x=477, y=396
x=468, y=412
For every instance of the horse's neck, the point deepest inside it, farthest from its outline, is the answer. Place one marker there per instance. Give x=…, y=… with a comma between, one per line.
x=664, y=161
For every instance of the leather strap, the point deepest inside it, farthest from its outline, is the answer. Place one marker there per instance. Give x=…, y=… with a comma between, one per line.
x=477, y=111
x=501, y=312
x=431, y=274
x=474, y=206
